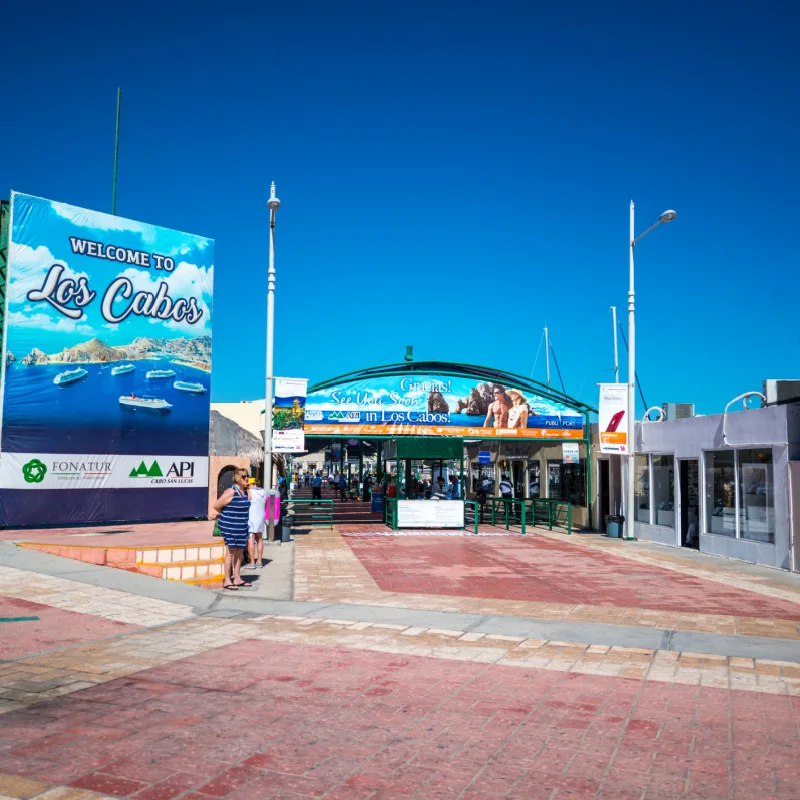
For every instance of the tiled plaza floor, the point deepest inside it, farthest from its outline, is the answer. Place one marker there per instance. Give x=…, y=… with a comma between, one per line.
x=539, y=569
x=169, y=705
x=328, y=570
x=261, y=719
x=27, y=628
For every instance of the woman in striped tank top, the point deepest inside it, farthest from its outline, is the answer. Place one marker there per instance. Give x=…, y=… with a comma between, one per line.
x=233, y=512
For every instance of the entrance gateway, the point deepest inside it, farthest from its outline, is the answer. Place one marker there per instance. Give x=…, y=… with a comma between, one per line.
x=445, y=432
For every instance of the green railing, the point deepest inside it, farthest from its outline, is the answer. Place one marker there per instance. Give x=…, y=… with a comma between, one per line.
x=512, y=511
x=545, y=511
x=310, y=513
x=390, y=512
x=472, y=507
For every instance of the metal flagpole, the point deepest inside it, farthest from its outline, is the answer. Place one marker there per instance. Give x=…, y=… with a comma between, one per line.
x=116, y=155
x=616, y=352
x=547, y=353
x=273, y=204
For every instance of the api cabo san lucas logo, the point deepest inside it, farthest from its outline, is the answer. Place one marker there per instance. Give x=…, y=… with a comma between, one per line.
x=177, y=472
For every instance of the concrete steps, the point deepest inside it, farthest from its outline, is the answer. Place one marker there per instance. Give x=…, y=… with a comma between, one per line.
x=199, y=564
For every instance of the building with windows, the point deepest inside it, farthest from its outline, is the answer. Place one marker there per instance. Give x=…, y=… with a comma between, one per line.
x=726, y=484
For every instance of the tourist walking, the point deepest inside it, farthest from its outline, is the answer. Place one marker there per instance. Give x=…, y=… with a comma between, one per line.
x=316, y=487
x=342, y=487
x=232, y=510
x=258, y=507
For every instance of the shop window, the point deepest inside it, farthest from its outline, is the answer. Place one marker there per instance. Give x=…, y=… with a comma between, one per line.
x=534, y=487
x=567, y=482
x=641, y=489
x=554, y=480
x=756, y=495
x=664, y=490
x=721, y=493
x=483, y=476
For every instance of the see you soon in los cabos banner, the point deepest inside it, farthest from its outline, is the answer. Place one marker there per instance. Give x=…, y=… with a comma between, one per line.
x=106, y=368
x=437, y=405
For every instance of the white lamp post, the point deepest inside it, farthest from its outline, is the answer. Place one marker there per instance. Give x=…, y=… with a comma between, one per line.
x=630, y=513
x=273, y=204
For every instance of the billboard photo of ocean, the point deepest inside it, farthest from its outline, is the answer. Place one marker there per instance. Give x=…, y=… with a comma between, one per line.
x=86, y=416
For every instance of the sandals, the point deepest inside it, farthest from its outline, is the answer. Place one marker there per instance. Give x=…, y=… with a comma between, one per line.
x=231, y=586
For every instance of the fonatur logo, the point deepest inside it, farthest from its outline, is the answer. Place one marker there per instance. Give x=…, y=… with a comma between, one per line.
x=34, y=471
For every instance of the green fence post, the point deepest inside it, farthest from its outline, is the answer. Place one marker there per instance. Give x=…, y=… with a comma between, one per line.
x=522, y=502
x=550, y=515
x=493, y=507
x=569, y=519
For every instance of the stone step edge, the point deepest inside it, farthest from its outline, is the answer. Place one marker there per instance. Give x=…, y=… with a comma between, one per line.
x=199, y=563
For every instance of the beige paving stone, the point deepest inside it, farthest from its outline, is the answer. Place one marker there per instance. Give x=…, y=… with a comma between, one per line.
x=14, y=786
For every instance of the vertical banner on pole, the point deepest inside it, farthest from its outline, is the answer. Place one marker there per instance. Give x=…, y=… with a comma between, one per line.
x=288, y=415
x=613, y=417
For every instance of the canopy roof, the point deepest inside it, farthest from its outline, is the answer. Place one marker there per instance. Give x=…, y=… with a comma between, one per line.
x=456, y=370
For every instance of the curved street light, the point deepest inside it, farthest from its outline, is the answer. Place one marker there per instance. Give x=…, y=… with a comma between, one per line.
x=667, y=216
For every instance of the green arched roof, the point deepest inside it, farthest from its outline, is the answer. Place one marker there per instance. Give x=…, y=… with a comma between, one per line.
x=455, y=370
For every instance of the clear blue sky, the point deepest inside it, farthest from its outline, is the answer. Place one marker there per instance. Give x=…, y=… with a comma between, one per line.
x=454, y=175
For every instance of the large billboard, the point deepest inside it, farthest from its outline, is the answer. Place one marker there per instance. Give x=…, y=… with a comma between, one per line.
x=438, y=405
x=106, y=368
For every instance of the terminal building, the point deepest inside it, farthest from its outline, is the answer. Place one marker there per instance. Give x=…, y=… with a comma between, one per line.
x=725, y=484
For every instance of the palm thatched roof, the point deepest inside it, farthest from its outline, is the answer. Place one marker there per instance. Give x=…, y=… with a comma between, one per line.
x=229, y=439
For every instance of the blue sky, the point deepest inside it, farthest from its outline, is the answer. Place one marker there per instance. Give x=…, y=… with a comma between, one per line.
x=453, y=175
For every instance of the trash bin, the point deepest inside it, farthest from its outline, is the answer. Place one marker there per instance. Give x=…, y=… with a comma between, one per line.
x=378, y=503
x=285, y=525
x=614, y=523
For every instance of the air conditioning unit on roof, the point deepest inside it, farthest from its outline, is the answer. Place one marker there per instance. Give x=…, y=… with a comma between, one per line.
x=779, y=392
x=677, y=410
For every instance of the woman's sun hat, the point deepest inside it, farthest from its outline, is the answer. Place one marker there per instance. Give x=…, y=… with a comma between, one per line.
x=518, y=393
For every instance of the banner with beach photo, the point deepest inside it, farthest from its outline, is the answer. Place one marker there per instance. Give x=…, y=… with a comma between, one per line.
x=107, y=351
x=437, y=405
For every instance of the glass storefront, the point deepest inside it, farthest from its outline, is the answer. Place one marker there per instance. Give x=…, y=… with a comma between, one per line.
x=756, y=495
x=664, y=490
x=721, y=493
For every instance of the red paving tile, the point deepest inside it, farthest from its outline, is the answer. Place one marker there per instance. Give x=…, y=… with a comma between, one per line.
x=54, y=628
x=542, y=570
x=436, y=729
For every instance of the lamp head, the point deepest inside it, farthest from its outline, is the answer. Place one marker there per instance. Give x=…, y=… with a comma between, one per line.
x=273, y=201
x=668, y=216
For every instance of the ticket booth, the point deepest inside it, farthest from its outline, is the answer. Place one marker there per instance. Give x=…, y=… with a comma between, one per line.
x=427, y=495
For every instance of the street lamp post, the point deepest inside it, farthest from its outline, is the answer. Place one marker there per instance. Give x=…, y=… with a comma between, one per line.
x=667, y=216
x=273, y=204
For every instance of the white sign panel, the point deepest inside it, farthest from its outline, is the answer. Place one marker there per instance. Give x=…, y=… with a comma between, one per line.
x=570, y=453
x=288, y=415
x=430, y=514
x=53, y=471
x=613, y=417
